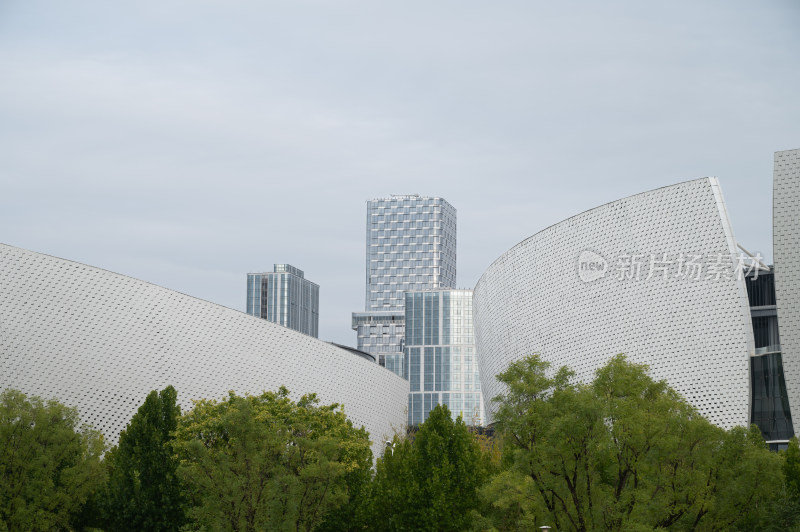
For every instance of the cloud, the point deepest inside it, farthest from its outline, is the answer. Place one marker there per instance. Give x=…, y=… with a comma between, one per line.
x=222, y=137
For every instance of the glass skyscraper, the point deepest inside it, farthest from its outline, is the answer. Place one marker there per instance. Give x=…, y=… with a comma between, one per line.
x=440, y=360
x=284, y=296
x=411, y=245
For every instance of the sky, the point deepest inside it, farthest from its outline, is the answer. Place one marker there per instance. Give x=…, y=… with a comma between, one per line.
x=187, y=143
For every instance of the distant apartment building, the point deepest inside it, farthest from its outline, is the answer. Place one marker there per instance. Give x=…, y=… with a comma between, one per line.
x=441, y=363
x=411, y=245
x=284, y=296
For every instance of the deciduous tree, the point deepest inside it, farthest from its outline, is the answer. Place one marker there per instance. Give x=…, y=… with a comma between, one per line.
x=143, y=490
x=791, y=468
x=430, y=482
x=623, y=453
x=268, y=463
x=49, y=463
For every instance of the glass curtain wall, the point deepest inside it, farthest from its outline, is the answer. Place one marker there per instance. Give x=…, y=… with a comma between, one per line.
x=440, y=360
x=284, y=296
x=411, y=245
x=769, y=400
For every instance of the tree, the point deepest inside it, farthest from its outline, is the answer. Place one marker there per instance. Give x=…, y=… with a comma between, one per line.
x=432, y=481
x=49, y=464
x=625, y=452
x=143, y=490
x=784, y=513
x=267, y=463
x=791, y=468
x=744, y=483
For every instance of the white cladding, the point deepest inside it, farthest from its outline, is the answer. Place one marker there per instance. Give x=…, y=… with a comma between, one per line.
x=101, y=342
x=693, y=332
x=786, y=251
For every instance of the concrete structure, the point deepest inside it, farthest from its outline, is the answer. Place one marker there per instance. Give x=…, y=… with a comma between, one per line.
x=652, y=275
x=440, y=359
x=284, y=296
x=101, y=341
x=411, y=245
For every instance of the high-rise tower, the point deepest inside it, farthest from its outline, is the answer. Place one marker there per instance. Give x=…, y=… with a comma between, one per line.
x=284, y=296
x=411, y=245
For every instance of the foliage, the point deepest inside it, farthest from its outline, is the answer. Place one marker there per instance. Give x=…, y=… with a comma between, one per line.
x=489, y=445
x=49, y=464
x=267, y=463
x=508, y=496
x=784, y=512
x=791, y=468
x=624, y=453
x=430, y=482
x=143, y=490
x=352, y=513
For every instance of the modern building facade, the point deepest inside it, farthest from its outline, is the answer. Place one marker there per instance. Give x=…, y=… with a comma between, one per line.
x=410, y=245
x=660, y=277
x=440, y=361
x=101, y=341
x=284, y=296
x=652, y=275
x=786, y=254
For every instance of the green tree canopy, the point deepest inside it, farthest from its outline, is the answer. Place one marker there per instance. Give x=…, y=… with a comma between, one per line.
x=49, y=464
x=624, y=453
x=268, y=463
x=143, y=490
x=432, y=481
x=791, y=468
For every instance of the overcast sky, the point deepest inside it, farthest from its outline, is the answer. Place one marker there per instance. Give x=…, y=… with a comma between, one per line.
x=187, y=143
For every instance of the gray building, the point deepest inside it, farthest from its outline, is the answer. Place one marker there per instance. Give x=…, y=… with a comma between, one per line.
x=440, y=362
x=284, y=296
x=411, y=245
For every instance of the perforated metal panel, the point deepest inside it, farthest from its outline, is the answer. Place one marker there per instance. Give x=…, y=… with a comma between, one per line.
x=786, y=252
x=101, y=341
x=550, y=295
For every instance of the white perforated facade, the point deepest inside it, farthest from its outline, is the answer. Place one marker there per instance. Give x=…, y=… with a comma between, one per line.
x=650, y=275
x=786, y=252
x=101, y=341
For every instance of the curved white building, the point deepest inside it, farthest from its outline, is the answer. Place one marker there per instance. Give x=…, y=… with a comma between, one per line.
x=651, y=275
x=101, y=341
